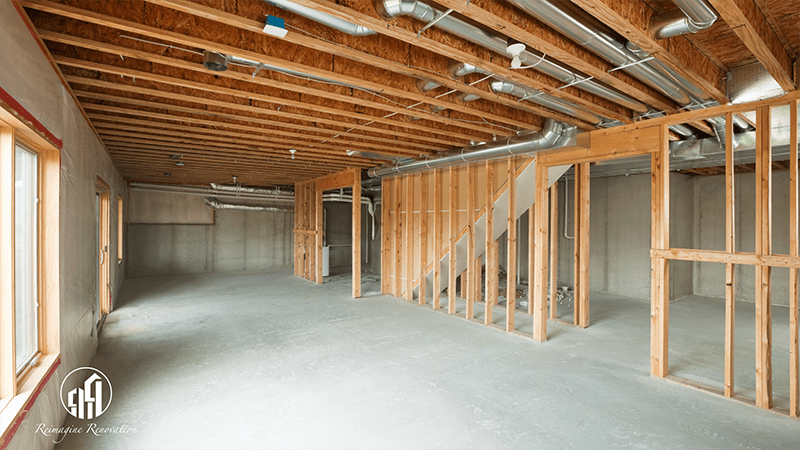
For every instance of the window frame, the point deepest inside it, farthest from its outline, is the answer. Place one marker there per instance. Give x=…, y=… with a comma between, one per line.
x=19, y=391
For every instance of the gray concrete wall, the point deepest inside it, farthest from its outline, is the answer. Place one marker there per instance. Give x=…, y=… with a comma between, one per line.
x=338, y=235
x=32, y=81
x=238, y=240
x=620, y=235
x=709, y=279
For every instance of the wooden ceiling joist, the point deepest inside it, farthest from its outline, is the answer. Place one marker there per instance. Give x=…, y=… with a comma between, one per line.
x=394, y=63
x=749, y=23
x=631, y=19
x=194, y=42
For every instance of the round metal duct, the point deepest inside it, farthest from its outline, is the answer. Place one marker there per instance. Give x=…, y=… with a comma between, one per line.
x=215, y=61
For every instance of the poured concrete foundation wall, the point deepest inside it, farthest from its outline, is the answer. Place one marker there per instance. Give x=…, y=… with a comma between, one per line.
x=236, y=241
x=30, y=80
x=620, y=235
x=709, y=278
x=338, y=235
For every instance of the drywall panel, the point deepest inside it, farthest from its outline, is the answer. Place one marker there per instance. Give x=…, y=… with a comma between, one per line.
x=33, y=83
x=162, y=207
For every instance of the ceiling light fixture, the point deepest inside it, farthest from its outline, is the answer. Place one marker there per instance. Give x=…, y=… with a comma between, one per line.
x=275, y=26
x=179, y=163
x=292, y=151
x=515, y=49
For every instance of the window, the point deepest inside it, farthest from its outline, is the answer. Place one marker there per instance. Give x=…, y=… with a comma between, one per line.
x=26, y=265
x=29, y=266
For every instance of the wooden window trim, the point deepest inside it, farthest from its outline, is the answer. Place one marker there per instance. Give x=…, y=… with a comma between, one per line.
x=19, y=392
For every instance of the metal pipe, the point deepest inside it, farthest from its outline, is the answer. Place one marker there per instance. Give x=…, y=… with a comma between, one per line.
x=250, y=190
x=602, y=44
x=501, y=85
x=325, y=19
x=693, y=16
x=389, y=9
x=216, y=204
x=553, y=134
x=538, y=97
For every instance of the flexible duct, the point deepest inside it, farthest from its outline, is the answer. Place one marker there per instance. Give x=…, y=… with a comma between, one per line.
x=693, y=16
x=389, y=9
x=325, y=19
x=532, y=95
x=216, y=204
x=601, y=44
x=553, y=134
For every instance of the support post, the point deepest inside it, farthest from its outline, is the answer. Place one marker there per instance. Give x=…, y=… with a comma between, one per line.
x=730, y=247
x=540, y=240
x=553, y=251
x=794, y=250
x=659, y=283
x=511, y=270
x=491, y=262
x=409, y=233
x=423, y=237
x=399, y=222
x=356, y=232
x=385, y=233
x=531, y=255
x=471, y=272
x=582, y=297
x=437, y=238
x=763, y=247
x=318, y=235
x=451, y=278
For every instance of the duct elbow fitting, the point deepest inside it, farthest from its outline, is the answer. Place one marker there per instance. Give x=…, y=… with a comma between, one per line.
x=390, y=9
x=427, y=85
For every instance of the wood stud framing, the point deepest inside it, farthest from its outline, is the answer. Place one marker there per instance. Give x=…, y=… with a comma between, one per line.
x=553, y=251
x=491, y=262
x=511, y=232
x=794, y=250
x=659, y=283
x=541, y=241
x=763, y=239
x=730, y=247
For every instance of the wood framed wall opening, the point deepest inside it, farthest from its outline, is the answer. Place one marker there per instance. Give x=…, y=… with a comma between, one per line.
x=102, y=234
x=308, y=228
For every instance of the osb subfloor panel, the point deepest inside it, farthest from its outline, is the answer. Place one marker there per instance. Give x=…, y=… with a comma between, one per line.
x=245, y=361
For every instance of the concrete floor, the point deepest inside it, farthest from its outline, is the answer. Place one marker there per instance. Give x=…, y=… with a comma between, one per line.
x=248, y=361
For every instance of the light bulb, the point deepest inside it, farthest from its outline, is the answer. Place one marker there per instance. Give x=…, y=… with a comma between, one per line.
x=515, y=62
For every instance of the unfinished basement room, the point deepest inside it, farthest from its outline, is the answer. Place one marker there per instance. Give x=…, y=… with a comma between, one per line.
x=394, y=224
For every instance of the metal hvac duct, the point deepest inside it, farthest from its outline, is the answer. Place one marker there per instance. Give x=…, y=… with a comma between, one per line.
x=245, y=189
x=552, y=135
x=554, y=103
x=693, y=16
x=601, y=44
x=216, y=204
x=389, y=9
x=502, y=85
x=325, y=19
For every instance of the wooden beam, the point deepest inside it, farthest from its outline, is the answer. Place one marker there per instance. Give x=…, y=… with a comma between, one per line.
x=511, y=267
x=730, y=247
x=472, y=275
x=384, y=61
x=582, y=234
x=318, y=227
x=602, y=145
x=399, y=233
x=409, y=238
x=503, y=18
x=195, y=42
x=356, y=180
x=338, y=180
x=385, y=233
x=531, y=255
x=763, y=241
x=748, y=22
x=794, y=250
x=631, y=19
x=659, y=283
x=491, y=263
x=576, y=245
x=437, y=237
x=540, y=258
x=451, y=284
x=553, y=250
x=423, y=236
